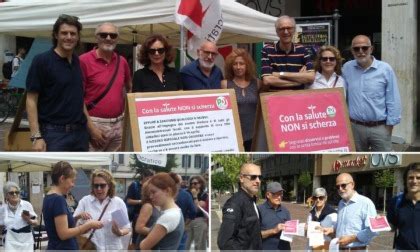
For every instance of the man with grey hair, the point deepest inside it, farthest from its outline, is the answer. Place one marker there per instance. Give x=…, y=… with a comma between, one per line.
x=273, y=217
x=106, y=77
x=373, y=97
x=202, y=73
x=240, y=228
x=286, y=65
x=352, y=227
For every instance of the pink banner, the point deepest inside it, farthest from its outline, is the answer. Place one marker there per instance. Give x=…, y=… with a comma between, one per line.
x=308, y=121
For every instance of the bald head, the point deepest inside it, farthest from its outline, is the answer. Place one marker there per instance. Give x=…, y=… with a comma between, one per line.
x=361, y=39
x=285, y=19
x=250, y=178
x=345, y=186
x=248, y=167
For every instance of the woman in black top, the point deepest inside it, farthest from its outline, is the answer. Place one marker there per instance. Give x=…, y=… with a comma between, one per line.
x=156, y=76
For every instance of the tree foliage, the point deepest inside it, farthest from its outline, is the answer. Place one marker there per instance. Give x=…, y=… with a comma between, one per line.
x=231, y=165
x=384, y=178
x=139, y=167
x=220, y=182
x=305, y=179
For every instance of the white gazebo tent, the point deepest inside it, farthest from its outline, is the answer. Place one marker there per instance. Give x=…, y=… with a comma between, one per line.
x=136, y=19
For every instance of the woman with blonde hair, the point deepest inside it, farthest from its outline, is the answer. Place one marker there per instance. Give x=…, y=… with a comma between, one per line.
x=240, y=75
x=18, y=217
x=59, y=222
x=166, y=234
x=328, y=68
x=103, y=203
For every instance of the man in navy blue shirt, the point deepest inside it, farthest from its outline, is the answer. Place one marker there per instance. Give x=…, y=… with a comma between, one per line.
x=273, y=217
x=54, y=102
x=202, y=73
x=404, y=211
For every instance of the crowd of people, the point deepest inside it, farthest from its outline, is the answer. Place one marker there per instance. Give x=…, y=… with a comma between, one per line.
x=246, y=226
x=77, y=103
x=168, y=216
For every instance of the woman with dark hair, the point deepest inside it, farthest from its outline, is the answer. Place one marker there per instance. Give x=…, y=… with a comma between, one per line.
x=328, y=68
x=59, y=222
x=240, y=75
x=198, y=227
x=102, y=199
x=155, y=55
x=166, y=234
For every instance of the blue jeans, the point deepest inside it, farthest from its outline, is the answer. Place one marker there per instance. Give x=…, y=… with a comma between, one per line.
x=183, y=242
x=71, y=137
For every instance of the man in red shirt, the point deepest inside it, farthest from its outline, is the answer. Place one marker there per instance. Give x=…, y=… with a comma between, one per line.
x=105, y=100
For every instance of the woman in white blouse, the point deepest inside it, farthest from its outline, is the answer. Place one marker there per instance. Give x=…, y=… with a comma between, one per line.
x=328, y=69
x=91, y=206
x=17, y=216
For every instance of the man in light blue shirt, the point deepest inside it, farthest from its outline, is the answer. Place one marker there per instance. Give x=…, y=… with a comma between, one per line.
x=373, y=98
x=352, y=227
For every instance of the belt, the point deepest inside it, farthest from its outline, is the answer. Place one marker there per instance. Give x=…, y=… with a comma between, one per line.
x=368, y=124
x=63, y=127
x=353, y=248
x=107, y=120
x=26, y=229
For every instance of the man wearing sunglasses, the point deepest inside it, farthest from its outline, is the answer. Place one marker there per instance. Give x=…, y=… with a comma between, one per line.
x=203, y=73
x=286, y=65
x=373, y=97
x=273, y=217
x=55, y=93
x=352, y=227
x=240, y=228
x=106, y=78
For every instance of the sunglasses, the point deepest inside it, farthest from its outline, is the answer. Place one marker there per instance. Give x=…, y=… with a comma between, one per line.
x=358, y=48
x=208, y=53
x=330, y=59
x=253, y=177
x=341, y=186
x=278, y=194
x=318, y=197
x=104, y=35
x=283, y=29
x=99, y=186
x=14, y=193
x=153, y=51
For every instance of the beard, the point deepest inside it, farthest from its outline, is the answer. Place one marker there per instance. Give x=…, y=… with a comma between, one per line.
x=205, y=64
x=108, y=48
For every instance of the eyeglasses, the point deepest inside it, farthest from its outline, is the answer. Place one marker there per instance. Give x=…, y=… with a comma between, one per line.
x=253, y=177
x=208, y=53
x=153, y=51
x=14, y=193
x=104, y=35
x=99, y=186
x=194, y=183
x=330, y=59
x=318, y=197
x=68, y=17
x=358, y=48
x=278, y=194
x=342, y=186
x=283, y=29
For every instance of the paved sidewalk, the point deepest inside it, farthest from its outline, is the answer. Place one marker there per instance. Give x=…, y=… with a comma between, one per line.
x=383, y=242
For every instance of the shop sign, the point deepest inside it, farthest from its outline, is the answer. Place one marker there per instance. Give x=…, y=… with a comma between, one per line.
x=385, y=160
x=358, y=162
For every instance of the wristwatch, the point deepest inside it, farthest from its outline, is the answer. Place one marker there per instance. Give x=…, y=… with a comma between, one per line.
x=35, y=137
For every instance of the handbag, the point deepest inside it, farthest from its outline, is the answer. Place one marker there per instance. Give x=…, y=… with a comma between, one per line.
x=86, y=243
x=93, y=103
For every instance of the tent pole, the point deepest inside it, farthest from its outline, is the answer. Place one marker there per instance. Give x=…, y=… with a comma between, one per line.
x=182, y=46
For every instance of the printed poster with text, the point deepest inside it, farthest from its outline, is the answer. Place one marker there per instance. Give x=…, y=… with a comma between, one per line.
x=305, y=121
x=187, y=123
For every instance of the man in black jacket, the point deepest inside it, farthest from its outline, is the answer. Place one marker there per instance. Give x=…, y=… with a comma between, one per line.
x=240, y=229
